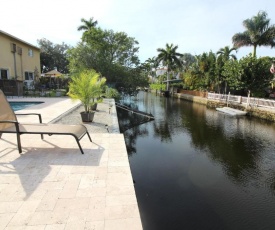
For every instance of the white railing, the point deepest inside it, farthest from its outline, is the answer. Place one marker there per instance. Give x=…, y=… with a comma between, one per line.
x=258, y=102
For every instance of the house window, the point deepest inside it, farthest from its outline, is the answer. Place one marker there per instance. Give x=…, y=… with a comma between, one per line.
x=30, y=53
x=4, y=74
x=29, y=76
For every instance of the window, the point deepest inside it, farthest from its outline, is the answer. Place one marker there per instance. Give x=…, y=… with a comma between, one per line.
x=29, y=76
x=19, y=50
x=30, y=52
x=4, y=74
x=13, y=47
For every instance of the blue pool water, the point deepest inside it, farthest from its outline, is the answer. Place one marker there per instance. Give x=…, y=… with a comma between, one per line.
x=22, y=105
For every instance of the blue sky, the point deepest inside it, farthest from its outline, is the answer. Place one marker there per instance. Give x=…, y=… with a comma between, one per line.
x=196, y=26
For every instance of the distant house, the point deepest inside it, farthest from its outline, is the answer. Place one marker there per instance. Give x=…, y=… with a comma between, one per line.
x=19, y=60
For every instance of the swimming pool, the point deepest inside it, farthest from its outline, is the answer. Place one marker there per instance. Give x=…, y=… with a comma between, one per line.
x=18, y=105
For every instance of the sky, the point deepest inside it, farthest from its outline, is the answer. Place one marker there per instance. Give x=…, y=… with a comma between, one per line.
x=196, y=26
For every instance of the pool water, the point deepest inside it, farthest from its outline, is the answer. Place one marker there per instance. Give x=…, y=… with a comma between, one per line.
x=22, y=105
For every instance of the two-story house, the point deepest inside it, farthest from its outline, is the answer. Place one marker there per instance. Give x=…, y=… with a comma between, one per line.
x=19, y=63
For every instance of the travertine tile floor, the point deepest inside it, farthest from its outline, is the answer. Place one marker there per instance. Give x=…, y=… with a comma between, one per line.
x=51, y=185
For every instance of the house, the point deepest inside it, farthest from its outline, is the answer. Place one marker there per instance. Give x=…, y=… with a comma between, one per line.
x=19, y=64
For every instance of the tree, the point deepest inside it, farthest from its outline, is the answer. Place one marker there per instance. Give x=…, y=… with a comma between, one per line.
x=187, y=61
x=113, y=54
x=225, y=53
x=87, y=24
x=150, y=67
x=170, y=58
x=249, y=73
x=258, y=33
x=53, y=55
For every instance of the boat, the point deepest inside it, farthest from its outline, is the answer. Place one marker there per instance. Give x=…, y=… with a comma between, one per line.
x=231, y=111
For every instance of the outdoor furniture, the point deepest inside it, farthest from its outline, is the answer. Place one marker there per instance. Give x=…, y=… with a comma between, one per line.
x=9, y=124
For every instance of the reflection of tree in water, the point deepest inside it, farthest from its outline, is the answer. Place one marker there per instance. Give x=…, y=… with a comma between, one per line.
x=226, y=141
x=131, y=138
x=168, y=123
x=162, y=130
x=130, y=122
x=238, y=154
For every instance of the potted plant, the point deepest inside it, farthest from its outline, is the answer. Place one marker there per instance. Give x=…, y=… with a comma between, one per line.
x=97, y=94
x=84, y=86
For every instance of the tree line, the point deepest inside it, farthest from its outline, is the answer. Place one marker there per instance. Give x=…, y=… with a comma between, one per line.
x=115, y=56
x=221, y=71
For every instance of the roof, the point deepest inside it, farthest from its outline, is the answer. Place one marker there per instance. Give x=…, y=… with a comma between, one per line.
x=18, y=39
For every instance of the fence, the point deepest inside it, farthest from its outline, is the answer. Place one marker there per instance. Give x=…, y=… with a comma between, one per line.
x=257, y=102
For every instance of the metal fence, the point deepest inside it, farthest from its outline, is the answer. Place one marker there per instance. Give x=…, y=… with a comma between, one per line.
x=252, y=101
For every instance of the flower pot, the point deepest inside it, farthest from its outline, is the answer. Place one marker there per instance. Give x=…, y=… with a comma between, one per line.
x=87, y=117
x=94, y=106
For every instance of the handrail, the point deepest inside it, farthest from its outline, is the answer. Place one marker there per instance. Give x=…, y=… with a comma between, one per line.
x=260, y=102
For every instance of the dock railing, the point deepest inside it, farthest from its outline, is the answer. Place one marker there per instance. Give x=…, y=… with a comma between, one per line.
x=252, y=101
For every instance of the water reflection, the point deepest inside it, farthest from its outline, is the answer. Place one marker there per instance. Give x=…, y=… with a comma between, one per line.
x=201, y=169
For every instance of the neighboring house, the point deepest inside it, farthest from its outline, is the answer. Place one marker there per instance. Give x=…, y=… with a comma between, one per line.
x=19, y=60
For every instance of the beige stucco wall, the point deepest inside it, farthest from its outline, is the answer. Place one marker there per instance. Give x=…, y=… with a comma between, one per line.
x=23, y=62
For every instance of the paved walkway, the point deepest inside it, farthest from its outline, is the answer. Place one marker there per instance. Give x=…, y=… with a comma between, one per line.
x=51, y=185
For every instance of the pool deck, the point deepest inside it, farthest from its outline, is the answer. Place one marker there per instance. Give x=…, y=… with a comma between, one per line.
x=51, y=185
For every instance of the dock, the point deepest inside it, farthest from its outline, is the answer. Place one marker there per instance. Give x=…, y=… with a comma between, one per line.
x=231, y=111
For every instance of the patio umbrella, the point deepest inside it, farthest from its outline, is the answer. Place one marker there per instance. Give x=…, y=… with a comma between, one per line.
x=53, y=73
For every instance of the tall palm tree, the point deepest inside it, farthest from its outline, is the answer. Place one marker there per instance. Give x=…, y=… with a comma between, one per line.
x=258, y=33
x=225, y=53
x=153, y=66
x=87, y=24
x=170, y=58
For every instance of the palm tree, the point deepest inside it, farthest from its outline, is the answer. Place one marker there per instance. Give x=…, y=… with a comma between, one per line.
x=225, y=53
x=258, y=33
x=87, y=24
x=152, y=66
x=170, y=58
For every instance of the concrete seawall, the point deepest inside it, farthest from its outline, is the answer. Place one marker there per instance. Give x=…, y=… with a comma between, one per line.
x=259, y=112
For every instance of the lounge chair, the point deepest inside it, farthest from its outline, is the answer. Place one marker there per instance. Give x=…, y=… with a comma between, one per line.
x=9, y=124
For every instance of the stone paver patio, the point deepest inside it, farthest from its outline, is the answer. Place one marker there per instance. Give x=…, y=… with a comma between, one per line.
x=51, y=185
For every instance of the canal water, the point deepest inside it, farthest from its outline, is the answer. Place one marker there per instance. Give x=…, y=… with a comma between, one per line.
x=196, y=168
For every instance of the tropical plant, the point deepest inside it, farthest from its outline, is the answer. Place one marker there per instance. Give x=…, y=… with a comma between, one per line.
x=112, y=93
x=170, y=58
x=258, y=33
x=226, y=53
x=86, y=86
x=157, y=86
x=249, y=73
x=187, y=61
x=223, y=56
x=87, y=24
